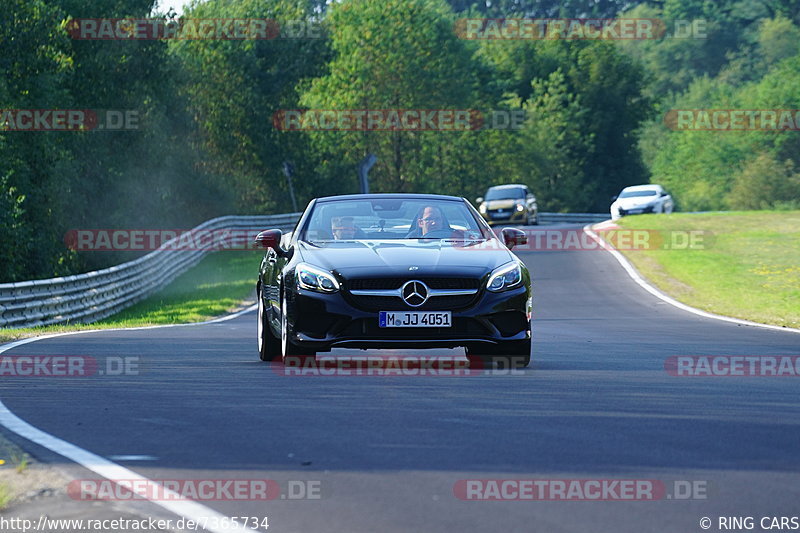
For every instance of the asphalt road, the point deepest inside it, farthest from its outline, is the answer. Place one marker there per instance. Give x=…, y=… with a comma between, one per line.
x=387, y=452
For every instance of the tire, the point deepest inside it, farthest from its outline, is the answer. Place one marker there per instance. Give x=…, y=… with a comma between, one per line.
x=287, y=347
x=536, y=219
x=512, y=354
x=269, y=346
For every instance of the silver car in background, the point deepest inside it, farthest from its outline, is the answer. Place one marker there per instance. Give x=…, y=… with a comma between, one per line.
x=640, y=199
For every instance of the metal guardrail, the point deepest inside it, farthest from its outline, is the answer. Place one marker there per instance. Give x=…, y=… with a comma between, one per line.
x=574, y=218
x=94, y=295
x=89, y=297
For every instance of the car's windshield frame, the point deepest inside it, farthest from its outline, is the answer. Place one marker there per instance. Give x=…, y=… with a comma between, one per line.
x=518, y=191
x=470, y=226
x=642, y=193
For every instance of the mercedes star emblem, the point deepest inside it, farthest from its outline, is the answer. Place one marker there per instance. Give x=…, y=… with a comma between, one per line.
x=415, y=293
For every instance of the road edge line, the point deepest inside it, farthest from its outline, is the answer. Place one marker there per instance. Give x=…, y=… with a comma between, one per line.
x=110, y=470
x=188, y=509
x=641, y=281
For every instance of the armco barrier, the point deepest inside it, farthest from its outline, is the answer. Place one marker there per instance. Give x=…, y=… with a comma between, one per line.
x=572, y=218
x=94, y=295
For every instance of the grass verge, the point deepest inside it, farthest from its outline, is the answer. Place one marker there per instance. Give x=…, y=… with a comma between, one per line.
x=222, y=282
x=6, y=495
x=748, y=266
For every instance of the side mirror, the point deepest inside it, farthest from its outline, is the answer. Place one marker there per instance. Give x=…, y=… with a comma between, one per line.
x=270, y=239
x=479, y=200
x=664, y=193
x=614, y=198
x=513, y=237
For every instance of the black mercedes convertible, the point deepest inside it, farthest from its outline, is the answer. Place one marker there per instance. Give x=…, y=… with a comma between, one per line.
x=393, y=271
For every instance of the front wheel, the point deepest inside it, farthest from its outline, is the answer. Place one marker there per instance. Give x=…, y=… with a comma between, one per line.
x=268, y=345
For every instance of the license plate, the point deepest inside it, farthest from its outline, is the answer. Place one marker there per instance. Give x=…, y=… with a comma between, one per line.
x=635, y=211
x=415, y=319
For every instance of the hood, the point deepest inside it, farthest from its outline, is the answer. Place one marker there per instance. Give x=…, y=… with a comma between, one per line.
x=634, y=202
x=502, y=204
x=367, y=258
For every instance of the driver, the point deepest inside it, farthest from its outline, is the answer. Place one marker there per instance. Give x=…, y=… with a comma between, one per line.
x=343, y=228
x=433, y=224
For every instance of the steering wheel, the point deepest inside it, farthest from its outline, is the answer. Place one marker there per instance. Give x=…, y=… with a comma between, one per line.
x=442, y=233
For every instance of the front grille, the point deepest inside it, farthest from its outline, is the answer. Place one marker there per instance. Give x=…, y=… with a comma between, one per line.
x=396, y=283
x=393, y=303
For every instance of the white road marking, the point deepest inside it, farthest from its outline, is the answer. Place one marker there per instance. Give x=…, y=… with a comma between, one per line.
x=631, y=270
x=188, y=509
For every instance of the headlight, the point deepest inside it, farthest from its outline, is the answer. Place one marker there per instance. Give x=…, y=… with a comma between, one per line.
x=505, y=277
x=314, y=279
x=520, y=207
x=482, y=209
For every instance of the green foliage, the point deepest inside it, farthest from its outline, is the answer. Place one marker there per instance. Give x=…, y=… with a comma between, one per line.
x=579, y=144
x=552, y=150
x=765, y=183
x=206, y=145
x=702, y=168
x=401, y=55
x=778, y=39
x=234, y=88
x=544, y=8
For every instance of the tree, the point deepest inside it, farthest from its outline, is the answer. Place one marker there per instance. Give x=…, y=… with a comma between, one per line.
x=400, y=55
x=235, y=87
x=607, y=85
x=765, y=183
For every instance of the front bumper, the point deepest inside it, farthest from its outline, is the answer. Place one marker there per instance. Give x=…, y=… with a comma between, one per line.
x=323, y=321
x=506, y=217
x=637, y=210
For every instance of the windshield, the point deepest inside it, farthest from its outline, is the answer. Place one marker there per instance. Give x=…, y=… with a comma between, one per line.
x=504, y=194
x=637, y=194
x=392, y=219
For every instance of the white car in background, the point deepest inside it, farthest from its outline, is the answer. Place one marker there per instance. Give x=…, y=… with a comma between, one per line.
x=639, y=199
